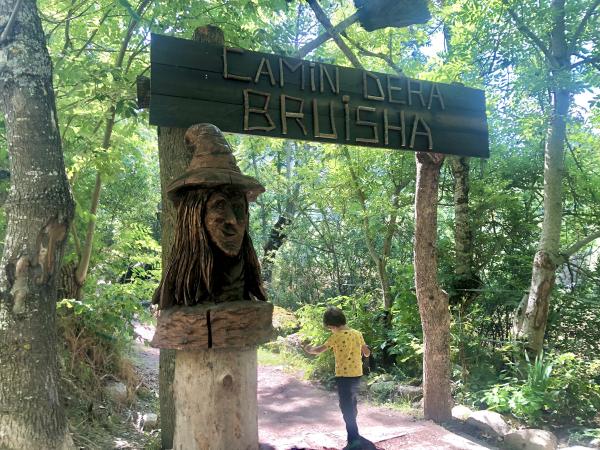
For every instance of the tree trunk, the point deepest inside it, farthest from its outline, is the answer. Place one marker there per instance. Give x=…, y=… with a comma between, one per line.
x=39, y=210
x=276, y=240
x=433, y=301
x=465, y=280
x=532, y=315
x=208, y=387
x=174, y=159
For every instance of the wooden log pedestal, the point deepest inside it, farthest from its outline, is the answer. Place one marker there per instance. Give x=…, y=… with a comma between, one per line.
x=215, y=372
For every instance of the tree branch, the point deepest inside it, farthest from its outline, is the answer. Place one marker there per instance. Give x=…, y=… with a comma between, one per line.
x=312, y=45
x=581, y=28
x=570, y=251
x=11, y=22
x=530, y=34
x=589, y=60
x=387, y=58
x=93, y=34
x=322, y=17
x=84, y=262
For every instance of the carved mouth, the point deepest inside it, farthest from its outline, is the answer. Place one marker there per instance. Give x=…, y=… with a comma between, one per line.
x=229, y=233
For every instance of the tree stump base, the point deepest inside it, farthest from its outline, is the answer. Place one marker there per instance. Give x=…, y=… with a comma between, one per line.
x=240, y=324
x=214, y=393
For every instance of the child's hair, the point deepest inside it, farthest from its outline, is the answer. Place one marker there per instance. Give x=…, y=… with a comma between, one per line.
x=334, y=317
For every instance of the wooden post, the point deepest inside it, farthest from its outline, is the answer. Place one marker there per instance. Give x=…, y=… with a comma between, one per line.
x=214, y=387
x=433, y=301
x=215, y=400
x=174, y=158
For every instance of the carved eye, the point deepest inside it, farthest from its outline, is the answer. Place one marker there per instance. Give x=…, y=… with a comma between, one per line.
x=220, y=204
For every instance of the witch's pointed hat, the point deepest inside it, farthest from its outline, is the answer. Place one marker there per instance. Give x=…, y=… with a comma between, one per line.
x=212, y=165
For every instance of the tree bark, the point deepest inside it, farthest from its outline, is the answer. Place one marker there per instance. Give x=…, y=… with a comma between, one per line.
x=39, y=209
x=465, y=280
x=276, y=239
x=532, y=315
x=433, y=301
x=174, y=159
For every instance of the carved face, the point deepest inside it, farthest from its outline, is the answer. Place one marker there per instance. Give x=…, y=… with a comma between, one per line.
x=226, y=220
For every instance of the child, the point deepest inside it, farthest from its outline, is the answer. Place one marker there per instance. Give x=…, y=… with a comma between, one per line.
x=348, y=345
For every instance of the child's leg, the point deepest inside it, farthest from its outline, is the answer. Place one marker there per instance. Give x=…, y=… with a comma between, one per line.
x=347, y=391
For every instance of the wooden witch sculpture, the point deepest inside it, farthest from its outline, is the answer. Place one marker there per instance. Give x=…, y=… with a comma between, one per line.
x=212, y=258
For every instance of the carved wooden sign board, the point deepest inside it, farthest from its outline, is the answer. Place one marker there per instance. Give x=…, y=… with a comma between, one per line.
x=248, y=92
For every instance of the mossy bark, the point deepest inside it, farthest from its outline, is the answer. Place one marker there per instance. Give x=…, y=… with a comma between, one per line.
x=39, y=209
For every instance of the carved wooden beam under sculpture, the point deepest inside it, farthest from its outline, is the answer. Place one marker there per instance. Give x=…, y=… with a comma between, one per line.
x=211, y=300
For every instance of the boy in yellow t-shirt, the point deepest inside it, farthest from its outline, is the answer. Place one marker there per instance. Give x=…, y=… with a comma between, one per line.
x=348, y=348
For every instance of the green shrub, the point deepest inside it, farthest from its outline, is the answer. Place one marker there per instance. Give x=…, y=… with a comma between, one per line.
x=557, y=390
x=284, y=321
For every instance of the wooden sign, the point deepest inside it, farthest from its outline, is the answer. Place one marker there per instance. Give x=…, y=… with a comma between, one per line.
x=241, y=91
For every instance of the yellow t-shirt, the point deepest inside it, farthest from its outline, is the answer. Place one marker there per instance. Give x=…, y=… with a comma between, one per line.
x=346, y=345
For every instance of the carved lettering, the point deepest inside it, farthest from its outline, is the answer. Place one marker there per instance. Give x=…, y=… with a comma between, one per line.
x=412, y=91
x=373, y=125
x=260, y=71
x=313, y=86
x=366, y=95
x=391, y=89
x=261, y=111
x=346, y=101
x=292, y=69
x=335, y=88
x=419, y=120
x=226, y=74
x=316, y=128
x=386, y=127
x=298, y=115
x=435, y=92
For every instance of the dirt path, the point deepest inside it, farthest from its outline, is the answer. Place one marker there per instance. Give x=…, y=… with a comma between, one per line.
x=296, y=414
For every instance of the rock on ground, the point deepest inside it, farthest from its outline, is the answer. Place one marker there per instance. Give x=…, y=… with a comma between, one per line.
x=461, y=412
x=531, y=439
x=411, y=393
x=489, y=422
x=149, y=421
x=117, y=391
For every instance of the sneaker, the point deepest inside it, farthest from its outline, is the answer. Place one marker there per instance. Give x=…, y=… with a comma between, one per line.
x=355, y=444
x=366, y=444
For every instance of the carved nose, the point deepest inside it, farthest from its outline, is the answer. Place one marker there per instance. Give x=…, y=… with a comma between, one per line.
x=230, y=217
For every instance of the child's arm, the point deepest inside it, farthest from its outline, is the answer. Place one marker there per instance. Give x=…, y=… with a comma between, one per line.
x=365, y=350
x=315, y=350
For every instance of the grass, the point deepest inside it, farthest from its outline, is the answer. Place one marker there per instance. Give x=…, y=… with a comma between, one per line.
x=291, y=362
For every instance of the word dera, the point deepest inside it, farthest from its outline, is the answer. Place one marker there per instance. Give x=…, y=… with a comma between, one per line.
x=259, y=117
